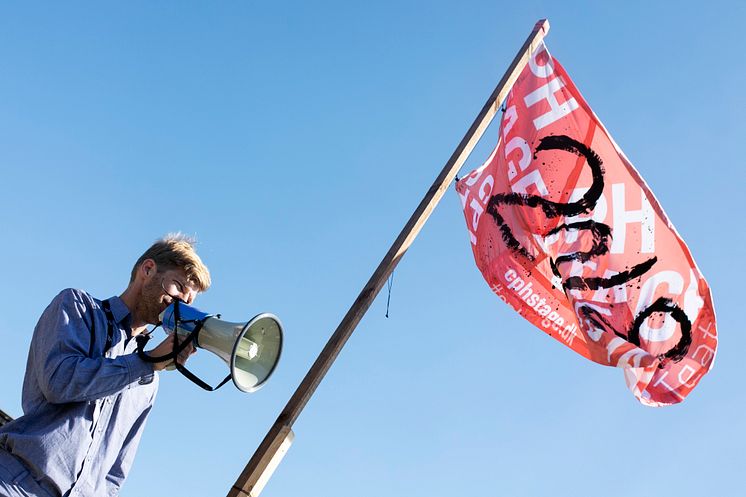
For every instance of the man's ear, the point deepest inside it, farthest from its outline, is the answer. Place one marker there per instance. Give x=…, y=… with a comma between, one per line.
x=148, y=268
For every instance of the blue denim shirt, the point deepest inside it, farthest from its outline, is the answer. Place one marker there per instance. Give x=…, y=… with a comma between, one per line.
x=84, y=412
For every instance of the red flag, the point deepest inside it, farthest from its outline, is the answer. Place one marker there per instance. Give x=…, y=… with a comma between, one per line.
x=565, y=230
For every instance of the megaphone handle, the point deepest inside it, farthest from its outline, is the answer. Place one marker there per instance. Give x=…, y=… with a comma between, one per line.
x=174, y=364
x=171, y=355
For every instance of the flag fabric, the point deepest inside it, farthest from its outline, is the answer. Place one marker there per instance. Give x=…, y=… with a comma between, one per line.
x=565, y=230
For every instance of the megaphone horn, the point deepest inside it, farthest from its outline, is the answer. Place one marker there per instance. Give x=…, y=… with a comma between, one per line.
x=251, y=349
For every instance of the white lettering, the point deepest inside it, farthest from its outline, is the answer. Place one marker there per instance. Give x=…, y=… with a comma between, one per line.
x=471, y=180
x=706, y=331
x=517, y=143
x=568, y=333
x=488, y=182
x=509, y=118
x=544, y=70
x=598, y=215
x=668, y=387
x=516, y=284
x=691, y=372
x=631, y=358
x=593, y=332
x=622, y=217
x=532, y=178
x=477, y=211
x=526, y=292
x=707, y=356
x=484, y=190
x=558, y=111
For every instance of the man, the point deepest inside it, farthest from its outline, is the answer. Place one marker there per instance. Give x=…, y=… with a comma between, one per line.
x=86, y=392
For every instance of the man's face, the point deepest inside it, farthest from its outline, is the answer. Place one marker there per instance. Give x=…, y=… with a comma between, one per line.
x=162, y=289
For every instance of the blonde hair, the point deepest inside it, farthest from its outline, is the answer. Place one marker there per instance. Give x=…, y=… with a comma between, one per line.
x=176, y=251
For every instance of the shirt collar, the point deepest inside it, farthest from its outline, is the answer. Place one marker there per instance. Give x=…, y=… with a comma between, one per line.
x=119, y=309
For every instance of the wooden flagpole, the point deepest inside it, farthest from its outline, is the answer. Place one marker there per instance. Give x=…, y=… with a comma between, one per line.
x=278, y=439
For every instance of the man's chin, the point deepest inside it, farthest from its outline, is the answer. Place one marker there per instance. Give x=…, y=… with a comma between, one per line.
x=159, y=309
x=155, y=319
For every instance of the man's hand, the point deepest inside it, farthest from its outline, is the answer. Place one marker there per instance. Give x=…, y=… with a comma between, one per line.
x=166, y=347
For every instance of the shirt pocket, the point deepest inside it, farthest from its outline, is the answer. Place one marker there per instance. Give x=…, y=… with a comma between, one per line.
x=12, y=473
x=29, y=486
x=16, y=478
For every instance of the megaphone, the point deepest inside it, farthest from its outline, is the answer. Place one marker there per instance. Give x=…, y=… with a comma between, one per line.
x=251, y=349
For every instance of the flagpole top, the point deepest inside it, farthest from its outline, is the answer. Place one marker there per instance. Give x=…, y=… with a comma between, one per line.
x=542, y=25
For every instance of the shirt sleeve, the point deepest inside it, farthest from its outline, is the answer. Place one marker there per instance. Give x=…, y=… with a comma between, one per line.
x=61, y=345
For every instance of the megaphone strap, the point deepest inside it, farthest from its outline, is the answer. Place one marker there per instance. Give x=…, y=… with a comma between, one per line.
x=197, y=381
x=193, y=336
x=109, y=325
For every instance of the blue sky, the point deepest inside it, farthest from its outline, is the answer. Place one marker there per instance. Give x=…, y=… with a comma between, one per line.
x=294, y=140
